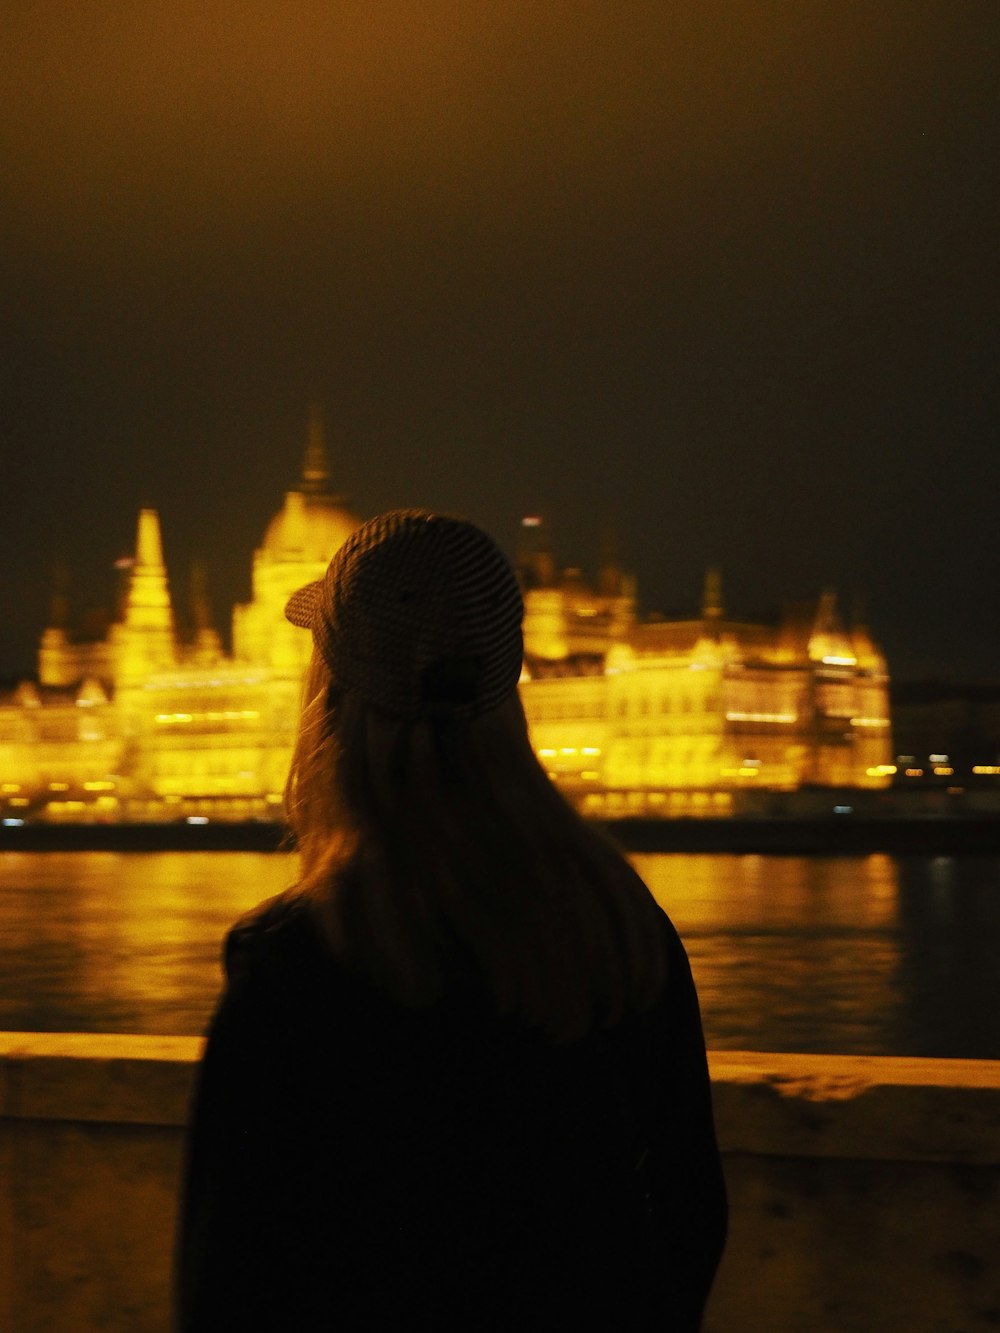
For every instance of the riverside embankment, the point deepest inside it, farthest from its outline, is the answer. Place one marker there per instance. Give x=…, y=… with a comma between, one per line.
x=969, y=832
x=865, y=1191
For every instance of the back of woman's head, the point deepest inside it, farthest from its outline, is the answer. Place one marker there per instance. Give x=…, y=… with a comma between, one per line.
x=436, y=848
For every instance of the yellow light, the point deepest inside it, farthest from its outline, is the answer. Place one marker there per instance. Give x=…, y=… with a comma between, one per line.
x=882, y=771
x=590, y=749
x=840, y=661
x=58, y=786
x=546, y=754
x=590, y=775
x=760, y=717
x=98, y=786
x=943, y=770
x=914, y=772
x=984, y=770
x=567, y=749
x=10, y=786
x=869, y=721
x=19, y=800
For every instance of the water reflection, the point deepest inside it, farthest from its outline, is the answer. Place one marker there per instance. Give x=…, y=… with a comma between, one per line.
x=873, y=955
x=789, y=953
x=122, y=942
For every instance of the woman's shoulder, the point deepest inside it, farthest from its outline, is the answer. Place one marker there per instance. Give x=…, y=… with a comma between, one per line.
x=280, y=931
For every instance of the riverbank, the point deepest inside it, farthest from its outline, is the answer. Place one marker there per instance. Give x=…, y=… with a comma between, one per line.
x=835, y=835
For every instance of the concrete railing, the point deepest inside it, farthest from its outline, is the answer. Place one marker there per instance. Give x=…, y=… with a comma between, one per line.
x=865, y=1192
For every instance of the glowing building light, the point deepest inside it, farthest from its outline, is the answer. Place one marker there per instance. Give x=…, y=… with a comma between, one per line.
x=733, y=716
x=839, y=661
x=531, y=521
x=869, y=721
x=986, y=770
x=914, y=772
x=938, y=758
x=943, y=770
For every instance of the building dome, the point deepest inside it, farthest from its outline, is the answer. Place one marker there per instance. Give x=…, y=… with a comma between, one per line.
x=313, y=523
x=308, y=528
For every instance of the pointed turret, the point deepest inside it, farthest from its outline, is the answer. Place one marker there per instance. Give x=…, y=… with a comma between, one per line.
x=55, y=661
x=829, y=643
x=315, y=466
x=712, y=607
x=59, y=606
x=148, y=543
x=862, y=644
x=207, y=647
x=609, y=575
x=144, y=641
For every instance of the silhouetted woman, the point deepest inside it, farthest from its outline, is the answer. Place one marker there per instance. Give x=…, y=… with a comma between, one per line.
x=457, y=1078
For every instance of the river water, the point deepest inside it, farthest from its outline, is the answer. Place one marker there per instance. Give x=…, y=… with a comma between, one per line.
x=871, y=955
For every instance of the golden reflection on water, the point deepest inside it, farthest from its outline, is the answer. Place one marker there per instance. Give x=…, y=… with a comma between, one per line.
x=788, y=953
x=772, y=891
x=132, y=941
x=873, y=955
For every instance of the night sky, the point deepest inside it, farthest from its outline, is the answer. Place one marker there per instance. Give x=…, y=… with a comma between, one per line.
x=720, y=275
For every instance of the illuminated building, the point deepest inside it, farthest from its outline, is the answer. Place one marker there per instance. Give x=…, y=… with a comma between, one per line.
x=137, y=725
x=674, y=717
x=701, y=716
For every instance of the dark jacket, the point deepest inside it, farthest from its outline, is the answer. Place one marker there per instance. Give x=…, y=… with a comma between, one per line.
x=353, y=1164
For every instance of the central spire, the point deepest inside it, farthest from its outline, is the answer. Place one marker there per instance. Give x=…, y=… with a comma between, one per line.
x=315, y=467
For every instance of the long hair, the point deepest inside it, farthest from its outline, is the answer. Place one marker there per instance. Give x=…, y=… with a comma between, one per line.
x=440, y=855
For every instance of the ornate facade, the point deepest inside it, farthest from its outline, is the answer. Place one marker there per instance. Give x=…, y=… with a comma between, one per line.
x=685, y=716
x=698, y=716
x=138, y=725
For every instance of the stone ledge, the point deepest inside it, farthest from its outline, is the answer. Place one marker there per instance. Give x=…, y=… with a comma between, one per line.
x=75, y=1076
x=857, y=1107
x=776, y=1105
